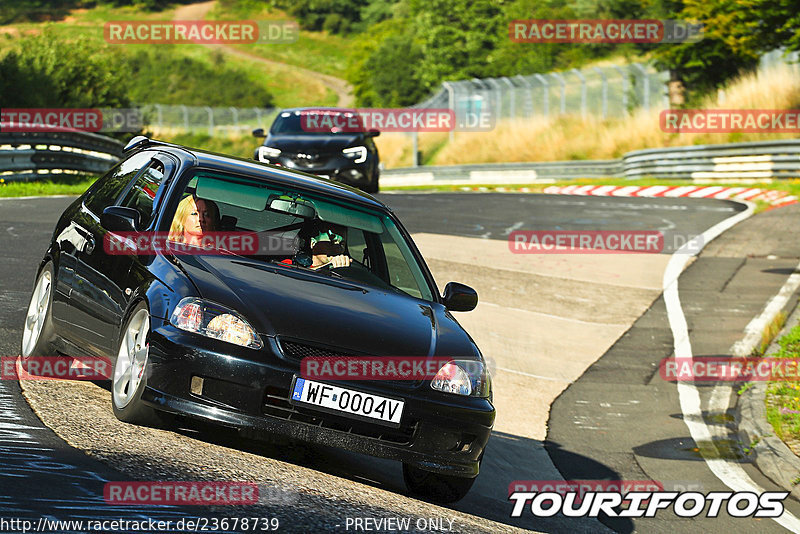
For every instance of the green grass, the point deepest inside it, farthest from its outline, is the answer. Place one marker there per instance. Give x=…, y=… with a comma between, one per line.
x=289, y=88
x=66, y=185
x=783, y=397
x=318, y=51
x=241, y=146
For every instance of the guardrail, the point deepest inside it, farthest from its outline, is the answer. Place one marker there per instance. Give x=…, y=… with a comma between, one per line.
x=739, y=161
x=28, y=156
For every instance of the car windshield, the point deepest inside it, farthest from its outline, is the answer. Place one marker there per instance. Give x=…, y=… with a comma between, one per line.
x=298, y=230
x=316, y=121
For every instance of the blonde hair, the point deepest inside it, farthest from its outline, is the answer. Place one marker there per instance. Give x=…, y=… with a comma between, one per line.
x=186, y=206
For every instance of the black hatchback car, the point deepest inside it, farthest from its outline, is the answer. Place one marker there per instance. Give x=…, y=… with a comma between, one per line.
x=324, y=142
x=207, y=331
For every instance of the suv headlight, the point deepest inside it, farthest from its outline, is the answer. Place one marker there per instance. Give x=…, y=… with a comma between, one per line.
x=266, y=152
x=463, y=377
x=212, y=320
x=357, y=153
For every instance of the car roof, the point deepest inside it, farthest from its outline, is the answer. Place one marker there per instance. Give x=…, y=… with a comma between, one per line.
x=317, y=108
x=256, y=169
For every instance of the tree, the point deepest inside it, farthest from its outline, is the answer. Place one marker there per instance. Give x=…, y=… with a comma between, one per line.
x=46, y=72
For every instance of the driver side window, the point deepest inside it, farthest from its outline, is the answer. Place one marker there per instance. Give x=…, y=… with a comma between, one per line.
x=357, y=245
x=105, y=192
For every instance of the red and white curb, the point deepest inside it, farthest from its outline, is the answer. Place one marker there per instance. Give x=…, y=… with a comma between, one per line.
x=776, y=198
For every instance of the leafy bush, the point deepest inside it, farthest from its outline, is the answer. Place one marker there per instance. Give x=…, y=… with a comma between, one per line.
x=40, y=10
x=165, y=78
x=45, y=72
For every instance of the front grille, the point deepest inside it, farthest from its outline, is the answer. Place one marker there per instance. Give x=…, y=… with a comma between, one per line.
x=276, y=404
x=309, y=161
x=296, y=351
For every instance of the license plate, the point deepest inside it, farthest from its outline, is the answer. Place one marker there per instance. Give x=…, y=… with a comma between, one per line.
x=347, y=401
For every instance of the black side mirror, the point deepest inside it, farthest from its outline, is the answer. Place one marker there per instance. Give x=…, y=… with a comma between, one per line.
x=120, y=219
x=458, y=297
x=259, y=132
x=373, y=133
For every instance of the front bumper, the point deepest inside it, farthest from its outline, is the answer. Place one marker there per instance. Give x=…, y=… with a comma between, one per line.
x=249, y=390
x=337, y=168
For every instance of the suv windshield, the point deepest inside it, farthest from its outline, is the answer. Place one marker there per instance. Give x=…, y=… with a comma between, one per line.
x=299, y=230
x=316, y=121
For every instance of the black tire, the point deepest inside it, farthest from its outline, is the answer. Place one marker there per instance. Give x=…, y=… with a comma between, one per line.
x=128, y=406
x=42, y=345
x=436, y=487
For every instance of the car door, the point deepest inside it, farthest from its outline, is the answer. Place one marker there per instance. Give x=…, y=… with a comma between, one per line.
x=98, y=296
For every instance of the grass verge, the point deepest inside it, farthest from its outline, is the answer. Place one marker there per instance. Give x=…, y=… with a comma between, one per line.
x=783, y=397
x=74, y=184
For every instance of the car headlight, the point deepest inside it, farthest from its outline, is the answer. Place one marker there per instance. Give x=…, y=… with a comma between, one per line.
x=266, y=152
x=357, y=153
x=463, y=377
x=212, y=320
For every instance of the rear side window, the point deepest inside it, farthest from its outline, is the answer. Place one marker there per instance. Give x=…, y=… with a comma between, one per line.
x=106, y=191
x=141, y=195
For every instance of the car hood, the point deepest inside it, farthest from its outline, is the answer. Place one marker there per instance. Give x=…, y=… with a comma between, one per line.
x=312, y=142
x=292, y=303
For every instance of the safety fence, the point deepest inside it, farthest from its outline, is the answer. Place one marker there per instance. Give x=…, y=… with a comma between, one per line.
x=737, y=161
x=26, y=156
x=203, y=119
x=30, y=156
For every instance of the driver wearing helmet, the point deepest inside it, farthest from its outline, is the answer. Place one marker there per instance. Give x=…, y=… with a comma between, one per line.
x=328, y=247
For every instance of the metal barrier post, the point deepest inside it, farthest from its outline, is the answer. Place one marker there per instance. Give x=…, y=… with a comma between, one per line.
x=451, y=103
x=498, y=96
x=528, y=95
x=604, y=104
x=624, y=77
x=646, y=88
x=415, y=148
x=563, y=83
x=512, y=96
x=235, y=113
x=546, y=93
x=582, y=79
x=210, y=121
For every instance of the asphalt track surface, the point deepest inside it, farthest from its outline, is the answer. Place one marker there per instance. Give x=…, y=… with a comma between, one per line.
x=43, y=476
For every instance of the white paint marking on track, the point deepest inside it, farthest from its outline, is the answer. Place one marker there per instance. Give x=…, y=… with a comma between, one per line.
x=603, y=190
x=515, y=226
x=756, y=327
x=730, y=473
x=652, y=191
